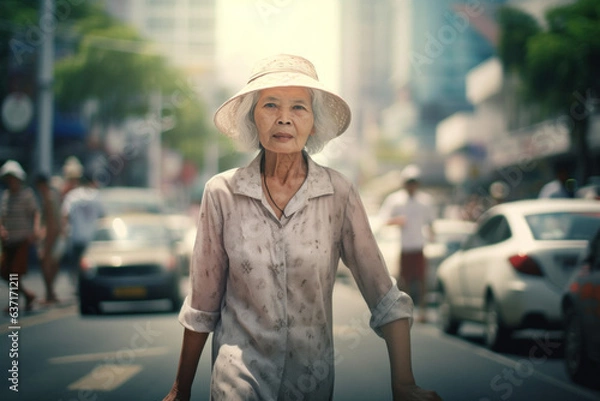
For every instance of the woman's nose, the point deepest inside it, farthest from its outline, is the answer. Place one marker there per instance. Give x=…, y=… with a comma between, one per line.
x=284, y=118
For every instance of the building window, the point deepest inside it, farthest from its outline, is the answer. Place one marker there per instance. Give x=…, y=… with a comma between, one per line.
x=160, y=23
x=202, y=23
x=161, y=2
x=202, y=48
x=202, y=2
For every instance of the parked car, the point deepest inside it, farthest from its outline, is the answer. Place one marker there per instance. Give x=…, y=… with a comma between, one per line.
x=183, y=230
x=581, y=313
x=510, y=273
x=449, y=234
x=131, y=258
x=123, y=200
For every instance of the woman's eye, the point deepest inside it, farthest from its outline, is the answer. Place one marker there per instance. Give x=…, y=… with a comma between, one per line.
x=270, y=105
x=299, y=107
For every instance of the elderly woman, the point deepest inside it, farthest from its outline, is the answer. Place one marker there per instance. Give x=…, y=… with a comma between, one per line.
x=269, y=240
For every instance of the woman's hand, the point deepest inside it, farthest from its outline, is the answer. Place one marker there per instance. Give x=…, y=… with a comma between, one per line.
x=174, y=395
x=412, y=392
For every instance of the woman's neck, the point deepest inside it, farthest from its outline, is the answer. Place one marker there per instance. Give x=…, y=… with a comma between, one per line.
x=284, y=167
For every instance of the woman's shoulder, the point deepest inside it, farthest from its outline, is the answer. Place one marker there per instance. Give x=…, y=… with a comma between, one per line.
x=337, y=177
x=221, y=180
x=340, y=183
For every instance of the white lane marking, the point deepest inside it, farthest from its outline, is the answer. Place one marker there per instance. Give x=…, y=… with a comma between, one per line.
x=44, y=317
x=104, y=356
x=485, y=353
x=106, y=377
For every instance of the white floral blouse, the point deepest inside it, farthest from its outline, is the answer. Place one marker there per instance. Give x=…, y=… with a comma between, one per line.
x=264, y=285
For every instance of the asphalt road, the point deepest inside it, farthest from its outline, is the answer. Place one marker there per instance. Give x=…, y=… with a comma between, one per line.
x=132, y=356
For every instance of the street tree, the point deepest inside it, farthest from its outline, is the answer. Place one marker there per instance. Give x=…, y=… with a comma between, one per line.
x=557, y=62
x=124, y=75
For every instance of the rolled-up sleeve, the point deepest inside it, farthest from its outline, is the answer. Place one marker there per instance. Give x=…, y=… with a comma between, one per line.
x=197, y=320
x=361, y=255
x=208, y=270
x=395, y=305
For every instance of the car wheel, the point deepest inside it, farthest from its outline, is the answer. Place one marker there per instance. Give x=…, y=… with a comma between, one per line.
x=446, y=321
x=88, y=307
x=88, y=304
x=176, y=300
x=580, y=368
x=496, y=334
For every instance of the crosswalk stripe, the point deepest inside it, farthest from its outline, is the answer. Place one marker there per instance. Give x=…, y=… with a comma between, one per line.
x=106, y=377
x=104, y=356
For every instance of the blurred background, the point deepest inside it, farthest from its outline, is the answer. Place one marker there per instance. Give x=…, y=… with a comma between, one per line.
x=485, y=96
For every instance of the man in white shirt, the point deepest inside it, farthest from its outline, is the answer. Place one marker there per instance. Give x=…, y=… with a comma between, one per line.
x=411, y=210
x=563, y=185
x=80, y=210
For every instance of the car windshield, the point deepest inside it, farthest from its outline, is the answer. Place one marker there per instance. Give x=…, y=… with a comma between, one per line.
x=114, y=207
x=563, y=225
x=131, y=200
x=142, y=233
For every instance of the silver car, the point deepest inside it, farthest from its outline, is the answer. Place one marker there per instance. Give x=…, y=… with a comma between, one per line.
x=131, y=258
x=510, y=273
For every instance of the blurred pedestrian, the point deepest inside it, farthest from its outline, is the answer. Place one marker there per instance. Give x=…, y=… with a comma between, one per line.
x=269, y=240
x=81, y=209
x=72, y=172
x=412, y=210
x=19, y=225
x=563, y=185
x=52, y=241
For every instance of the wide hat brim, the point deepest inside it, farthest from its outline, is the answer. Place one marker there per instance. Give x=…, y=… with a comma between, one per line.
x=225, y=119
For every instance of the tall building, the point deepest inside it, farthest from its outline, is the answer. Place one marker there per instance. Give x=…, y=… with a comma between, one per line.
x=445, y=46
x=367, y=59
x=405, y=67
x=184, y=31
x=491, y=143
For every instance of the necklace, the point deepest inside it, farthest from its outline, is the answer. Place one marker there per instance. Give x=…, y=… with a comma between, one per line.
x=269, y=193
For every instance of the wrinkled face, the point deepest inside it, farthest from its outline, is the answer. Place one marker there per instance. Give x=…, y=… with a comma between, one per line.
x=284, y=118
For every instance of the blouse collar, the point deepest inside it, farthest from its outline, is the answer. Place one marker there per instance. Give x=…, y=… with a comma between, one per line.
x=247, y=182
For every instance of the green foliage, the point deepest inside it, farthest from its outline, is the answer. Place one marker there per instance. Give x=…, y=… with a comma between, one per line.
x=559, y=61
x=114, y=65
x=111, y=63
x=16, y=16
x=517, y=27
x=18, y=13
x=558, y=64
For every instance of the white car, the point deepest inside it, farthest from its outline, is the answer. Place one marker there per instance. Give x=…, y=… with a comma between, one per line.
x=125, y=200
x=510, y=273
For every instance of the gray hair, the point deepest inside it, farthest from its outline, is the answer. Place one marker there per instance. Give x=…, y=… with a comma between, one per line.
x=324, y=124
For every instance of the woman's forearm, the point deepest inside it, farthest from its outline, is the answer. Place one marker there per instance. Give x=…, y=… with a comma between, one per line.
x=397, y=339
x=191, y=350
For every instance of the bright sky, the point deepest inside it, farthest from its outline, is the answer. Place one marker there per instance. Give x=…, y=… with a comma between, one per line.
x=248, y=30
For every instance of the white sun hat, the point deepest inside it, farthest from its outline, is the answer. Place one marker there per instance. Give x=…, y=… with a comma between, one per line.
x=280, y=71
x=72, y=168
x=13, y=168
x=412, y=172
